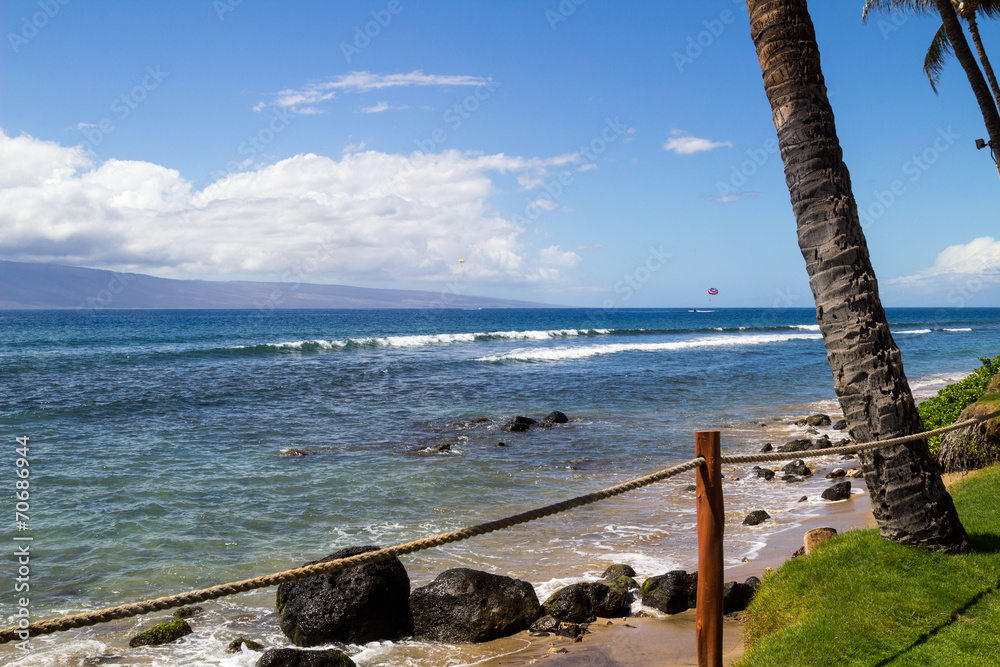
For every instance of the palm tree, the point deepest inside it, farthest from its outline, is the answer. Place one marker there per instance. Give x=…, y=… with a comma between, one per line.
x=940, y=47
x=987, y=105
x=909, y=500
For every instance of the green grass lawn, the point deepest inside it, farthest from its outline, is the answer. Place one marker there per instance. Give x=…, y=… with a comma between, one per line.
x=861, y=600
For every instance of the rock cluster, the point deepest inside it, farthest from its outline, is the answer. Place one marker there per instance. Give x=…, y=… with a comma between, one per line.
x=677, y=591
x=519, y=423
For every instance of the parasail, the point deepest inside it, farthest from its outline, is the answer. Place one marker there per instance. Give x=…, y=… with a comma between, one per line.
x=712, y=291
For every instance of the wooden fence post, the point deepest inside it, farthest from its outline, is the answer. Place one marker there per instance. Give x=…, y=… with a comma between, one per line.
x=711, y=522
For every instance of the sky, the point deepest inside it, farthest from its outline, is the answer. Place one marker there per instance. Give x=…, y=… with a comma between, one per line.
x=575, y=152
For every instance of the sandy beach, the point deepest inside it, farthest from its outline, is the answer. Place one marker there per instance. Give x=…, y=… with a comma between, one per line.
x=670, y=640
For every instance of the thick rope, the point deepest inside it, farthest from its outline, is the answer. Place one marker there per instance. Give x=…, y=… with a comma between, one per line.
x=852, y=449
x=125, y=611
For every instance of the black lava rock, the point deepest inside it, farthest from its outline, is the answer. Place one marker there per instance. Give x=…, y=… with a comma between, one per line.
x=839, y=491
x=667, y=592
x=555, y=417
x=756, y=517
x=466, y=606
x=355, y=606
x=797, y=467
x=293, y=657
x=519, y=424
x=581, y=603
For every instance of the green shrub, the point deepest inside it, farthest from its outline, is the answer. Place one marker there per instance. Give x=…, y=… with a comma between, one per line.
x=944, y=409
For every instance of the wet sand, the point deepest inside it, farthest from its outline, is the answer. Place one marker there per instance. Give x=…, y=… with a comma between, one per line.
x=670, y=640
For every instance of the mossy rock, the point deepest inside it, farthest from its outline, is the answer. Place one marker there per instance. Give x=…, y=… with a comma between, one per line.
x=236, y=646
x=977, y=446
x=626, y=582
x=164, y=633
x=187, y=612
x=617, y=570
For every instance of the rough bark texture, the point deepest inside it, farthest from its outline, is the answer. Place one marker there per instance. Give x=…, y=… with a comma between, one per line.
x=908, y=498
x=991, y=114
x=991, y=76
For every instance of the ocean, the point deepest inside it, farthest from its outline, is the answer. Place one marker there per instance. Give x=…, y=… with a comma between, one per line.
x=160, y=441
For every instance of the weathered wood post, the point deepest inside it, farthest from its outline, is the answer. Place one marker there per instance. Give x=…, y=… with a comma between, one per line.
x=711, y=522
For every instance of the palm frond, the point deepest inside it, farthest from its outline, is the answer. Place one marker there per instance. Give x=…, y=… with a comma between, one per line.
x=937, y=54
x=904, y=6
x=990, y=8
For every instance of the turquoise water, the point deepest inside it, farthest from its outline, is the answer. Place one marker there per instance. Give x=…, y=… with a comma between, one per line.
x=158, y=441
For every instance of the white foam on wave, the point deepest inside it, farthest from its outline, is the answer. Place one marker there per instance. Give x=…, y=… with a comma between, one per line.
x=584, y=351
x=806, y=327
x=914, y=331
x=963, y=329
x=298, y=345
x=421, y=340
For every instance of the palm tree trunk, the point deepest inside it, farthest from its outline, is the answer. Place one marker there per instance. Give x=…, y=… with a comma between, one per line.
x=987, y=67
x=909, y=500
x=991, y=114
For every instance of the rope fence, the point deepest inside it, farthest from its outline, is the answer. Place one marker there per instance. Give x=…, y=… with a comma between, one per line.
x=158, y=604
x=855, y=448
x=191, y=597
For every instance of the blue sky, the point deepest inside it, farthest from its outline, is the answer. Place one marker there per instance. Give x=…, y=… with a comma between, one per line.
x=578, y=152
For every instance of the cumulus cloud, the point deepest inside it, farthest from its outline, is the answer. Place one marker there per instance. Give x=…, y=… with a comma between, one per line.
x=365, y=217
x=682, y=144
x=977, y=260
x=304, y=100
x=555, y=256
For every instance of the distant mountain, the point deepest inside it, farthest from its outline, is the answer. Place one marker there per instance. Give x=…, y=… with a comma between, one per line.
x=30, y=285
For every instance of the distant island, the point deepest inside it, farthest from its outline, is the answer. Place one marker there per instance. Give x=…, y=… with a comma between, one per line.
x=27, y=285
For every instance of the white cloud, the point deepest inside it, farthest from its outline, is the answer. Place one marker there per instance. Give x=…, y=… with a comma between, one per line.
x=545, y=204
x=561, y=258
x=304, y=99
x=735, y=197
x=977, y=260
x=354, y=148
x=367, y=217
x=377, y=108
x=682, y=144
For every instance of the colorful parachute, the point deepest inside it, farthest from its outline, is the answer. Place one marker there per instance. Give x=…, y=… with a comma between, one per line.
x=712, y=291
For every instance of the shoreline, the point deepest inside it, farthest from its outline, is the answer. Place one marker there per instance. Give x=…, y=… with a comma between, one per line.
x=659, y=639
x=670, y=640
